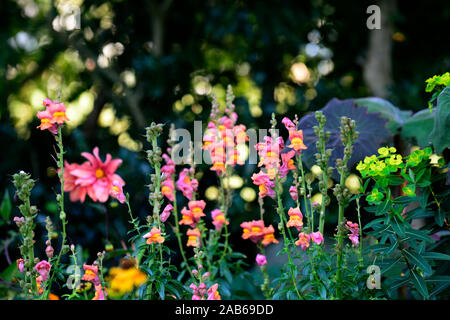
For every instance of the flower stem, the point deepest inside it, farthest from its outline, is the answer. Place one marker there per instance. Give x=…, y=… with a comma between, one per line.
x=280, y=210
x=62, y=215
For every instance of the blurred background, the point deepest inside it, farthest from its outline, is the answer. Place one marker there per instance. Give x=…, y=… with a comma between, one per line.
x=118, y=65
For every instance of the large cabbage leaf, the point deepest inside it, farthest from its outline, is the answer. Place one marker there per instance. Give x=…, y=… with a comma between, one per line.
x=371, y=126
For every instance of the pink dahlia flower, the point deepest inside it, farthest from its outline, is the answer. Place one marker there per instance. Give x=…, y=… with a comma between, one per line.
x=94, y=177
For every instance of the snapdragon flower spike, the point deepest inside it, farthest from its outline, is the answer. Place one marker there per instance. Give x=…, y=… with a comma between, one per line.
x=222, y=137
x=166, y=212
x=193, y=238
x=354, y=232
x=154, y=236
x=117, y=192
x=53, y=116
x=219, y=219
x=303, y=240
x=295, y=218
x=185, y=184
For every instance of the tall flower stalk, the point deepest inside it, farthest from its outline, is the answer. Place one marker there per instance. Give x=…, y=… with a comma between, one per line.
x=24, y=184
x=342, y=194
x=322, y=157
x=52, y=119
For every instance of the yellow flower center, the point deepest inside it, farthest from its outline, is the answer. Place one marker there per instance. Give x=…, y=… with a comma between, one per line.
x=192, y=238
x=296, y=141
x=256, y=229
x=197, y=210
x=99, y=173
x=116, y=189
x=155, y=236
x=220, y=218
x=45, y=120
x=59, y=114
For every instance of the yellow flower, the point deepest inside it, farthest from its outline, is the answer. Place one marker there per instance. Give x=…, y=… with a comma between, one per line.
x=395, y=160
x=124, y=280
x=384, y=152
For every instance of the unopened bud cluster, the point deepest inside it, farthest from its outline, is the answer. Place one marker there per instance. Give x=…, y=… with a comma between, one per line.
x=154, y=157
x=348, y=135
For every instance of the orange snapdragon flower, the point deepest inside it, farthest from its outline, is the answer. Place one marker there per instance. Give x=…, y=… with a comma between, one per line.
x=269, y=236
x=193, y=237
x=295, y=218
x=154, y=236
x=253, y=230
x=296, y=138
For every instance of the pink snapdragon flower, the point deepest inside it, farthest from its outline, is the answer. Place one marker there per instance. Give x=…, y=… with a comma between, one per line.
x=94, y=177
x=293, y=192
x=303, y=240
x=53, y=116
x=185, y=184
x=100, y=293
x=253, y=230
x=91, y=274
x=43, y=268
x=316, y=237
x=167, y=189
x=166, y=212
x=287, y=163
x=295, y=218
x=261, y=259
x=354, y=232
x=266, y=186
x=219, y=219
x=213, y=293
x=20, y=265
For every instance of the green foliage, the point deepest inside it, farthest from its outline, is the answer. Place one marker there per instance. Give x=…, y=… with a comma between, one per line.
x=436, y=84
x=396, y=237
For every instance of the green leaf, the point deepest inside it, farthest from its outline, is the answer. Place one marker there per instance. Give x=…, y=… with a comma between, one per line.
x=417, y=260
x=398, y=226
x=419, y=283
x=436, y=256
x=161, y=289
x=5, y=206
x=395, y=116
x=417, y=234
x=439, y=279
x=418, y=127
x=439, y=136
